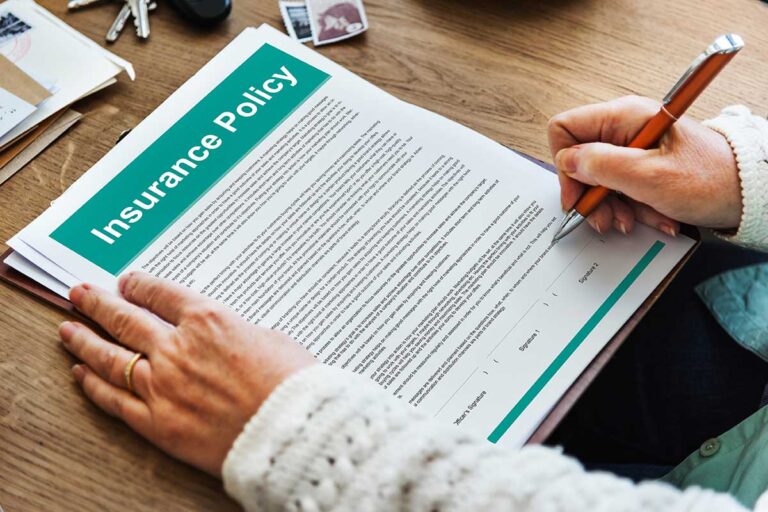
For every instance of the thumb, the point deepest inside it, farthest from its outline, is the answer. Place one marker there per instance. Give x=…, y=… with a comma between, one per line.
x=626, y=170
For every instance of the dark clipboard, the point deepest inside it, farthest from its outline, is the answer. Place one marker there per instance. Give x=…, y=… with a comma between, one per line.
x=558, y=412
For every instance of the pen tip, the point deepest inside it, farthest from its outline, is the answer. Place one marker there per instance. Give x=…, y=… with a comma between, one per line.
x=570, y=222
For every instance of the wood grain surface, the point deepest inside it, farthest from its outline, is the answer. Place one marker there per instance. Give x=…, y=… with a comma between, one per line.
x=500, y=67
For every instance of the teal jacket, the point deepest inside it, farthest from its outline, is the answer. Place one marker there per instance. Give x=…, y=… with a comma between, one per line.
x=735, y=462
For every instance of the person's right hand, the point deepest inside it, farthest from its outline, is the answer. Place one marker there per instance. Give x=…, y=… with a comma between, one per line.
x=691, y=177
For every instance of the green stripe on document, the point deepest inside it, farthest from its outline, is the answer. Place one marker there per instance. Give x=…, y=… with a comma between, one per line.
x=577, y=340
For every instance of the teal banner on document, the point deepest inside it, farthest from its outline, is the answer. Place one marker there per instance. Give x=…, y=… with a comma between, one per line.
x=576, y=342
x=118, y=223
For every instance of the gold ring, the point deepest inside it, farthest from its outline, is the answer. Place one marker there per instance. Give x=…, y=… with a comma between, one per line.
x=129, y=370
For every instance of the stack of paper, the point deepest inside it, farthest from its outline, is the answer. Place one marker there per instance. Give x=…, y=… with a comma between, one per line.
x=45, y=66
x=20, y=95
x=388, y=240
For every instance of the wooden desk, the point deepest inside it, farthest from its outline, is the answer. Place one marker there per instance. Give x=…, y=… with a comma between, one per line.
x=502, y=68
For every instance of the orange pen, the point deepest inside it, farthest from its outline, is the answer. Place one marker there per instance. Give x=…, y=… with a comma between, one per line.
x=682, y=95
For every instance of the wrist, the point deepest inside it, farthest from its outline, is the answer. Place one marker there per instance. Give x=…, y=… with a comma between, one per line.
x=729, y=190
x=747, y=135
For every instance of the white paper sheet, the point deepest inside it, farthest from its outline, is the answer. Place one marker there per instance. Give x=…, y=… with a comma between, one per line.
x=17, y=261
x=388, y=240
x=43, y=263
x=61, y=125
x=13, y=110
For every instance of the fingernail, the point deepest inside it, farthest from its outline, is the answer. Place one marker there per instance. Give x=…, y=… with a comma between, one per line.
x=622, y=228
x=66, y=329
x=122, y=282
x=78, y=372
x=565, y=160
x=77, y=293
x=669, y=230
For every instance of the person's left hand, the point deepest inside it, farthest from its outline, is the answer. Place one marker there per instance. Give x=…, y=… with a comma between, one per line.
x=206, y=370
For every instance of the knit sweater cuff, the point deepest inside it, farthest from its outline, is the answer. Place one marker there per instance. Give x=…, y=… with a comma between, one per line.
x=258, y=456
x=327, y=439
x=748, y=137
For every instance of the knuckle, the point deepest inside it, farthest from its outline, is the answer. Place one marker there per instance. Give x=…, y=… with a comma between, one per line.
x=560, y=124
x=177, y=361
x=601, y=167
x=181, y=359
x=184, y=366
x=639, y=104
x=634, y=100
x=152, y=294
x=115, y=405
x=130, y=285
x=99, y=310
x=88, y=386
x=121, y=323
x=590, y=160
x=203, y=312
x=173, y=346
x=603, y=162
x=614, y=118
x=234, y=359
x=142, y=287
x=108, y=360
x=77, y=340
x=91, y=303
x=555, y=121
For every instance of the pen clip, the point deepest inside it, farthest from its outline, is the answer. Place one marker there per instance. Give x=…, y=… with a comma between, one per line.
x=725, y=44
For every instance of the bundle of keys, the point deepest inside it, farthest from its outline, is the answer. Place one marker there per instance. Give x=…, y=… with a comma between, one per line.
x=204, y=13
x=137, y=9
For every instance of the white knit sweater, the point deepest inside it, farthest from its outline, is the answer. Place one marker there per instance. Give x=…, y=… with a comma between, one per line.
x=329, y=440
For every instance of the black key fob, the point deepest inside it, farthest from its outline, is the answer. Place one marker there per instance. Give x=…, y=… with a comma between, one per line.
x=203, y=12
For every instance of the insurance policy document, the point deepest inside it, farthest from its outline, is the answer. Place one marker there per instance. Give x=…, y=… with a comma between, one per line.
x=386, y=239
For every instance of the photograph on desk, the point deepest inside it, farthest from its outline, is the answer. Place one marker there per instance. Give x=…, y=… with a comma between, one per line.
x=388, y=240
x=323, y=21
